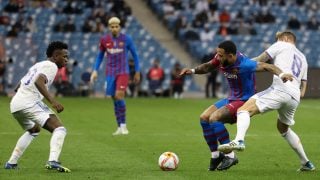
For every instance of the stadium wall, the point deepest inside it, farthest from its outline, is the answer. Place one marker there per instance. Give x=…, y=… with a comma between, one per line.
x=264, y=80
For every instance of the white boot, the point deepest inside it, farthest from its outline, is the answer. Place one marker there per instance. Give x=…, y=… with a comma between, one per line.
x=117, y=132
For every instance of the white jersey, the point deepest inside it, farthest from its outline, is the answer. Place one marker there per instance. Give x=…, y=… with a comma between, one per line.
x=290, y=60
x=28, y=94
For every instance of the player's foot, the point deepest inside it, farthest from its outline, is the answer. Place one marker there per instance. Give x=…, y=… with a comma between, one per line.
x=117, y=132
x=227, y=162
x=53, y=165
x=124, y=130
x=214, y=162
x=10, y=166
x=121, y=131
x=233, y=145
x=307, y=167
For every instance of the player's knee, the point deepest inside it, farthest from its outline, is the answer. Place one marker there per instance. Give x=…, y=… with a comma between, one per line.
x=282, y=128
x=241, y=109
x=215, y=116
x=60, y=129
x=35, y=129
x=204, y=117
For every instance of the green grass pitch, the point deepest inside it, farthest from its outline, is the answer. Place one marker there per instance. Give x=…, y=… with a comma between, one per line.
x=156, y=126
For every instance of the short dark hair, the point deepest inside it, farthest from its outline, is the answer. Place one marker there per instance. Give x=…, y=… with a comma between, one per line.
x=228, y=46
x=55, y=45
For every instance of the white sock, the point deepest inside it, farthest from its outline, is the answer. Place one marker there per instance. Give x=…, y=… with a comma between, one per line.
x=215, y=154
x=295, y=143
x=243, y=123
x=123, y=125
x=230, y=155
x=56, y=143
x=22, y=144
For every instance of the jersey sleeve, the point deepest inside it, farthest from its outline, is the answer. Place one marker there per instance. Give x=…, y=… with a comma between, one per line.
x=132, y=49
x=50, y=71
x=248, y=65
x=102, y=46
x=274, y=50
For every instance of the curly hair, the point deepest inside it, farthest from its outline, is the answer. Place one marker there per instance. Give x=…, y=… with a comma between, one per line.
x=228, y=46
x=55, y=45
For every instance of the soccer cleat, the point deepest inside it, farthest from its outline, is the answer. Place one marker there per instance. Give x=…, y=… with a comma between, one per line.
x=118, y=132
x=227, y=162
x=53, y=165
x=124, y=130
x=214, y=162
x=307, y=167
x=10, y=166
x=233, y=145
x=121, y=131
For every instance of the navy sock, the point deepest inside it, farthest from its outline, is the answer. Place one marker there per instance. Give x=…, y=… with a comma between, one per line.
x=209, y=135
x=120, y=111
x=221, y=132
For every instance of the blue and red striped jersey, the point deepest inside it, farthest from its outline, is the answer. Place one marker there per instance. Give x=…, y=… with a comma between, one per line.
x=116, y=50
x=240, y=75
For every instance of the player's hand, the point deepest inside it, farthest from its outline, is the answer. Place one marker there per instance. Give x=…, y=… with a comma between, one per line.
x=93, y=77
x=286, y=77
x=57, y=106
x=185, y=71
x=136, y=78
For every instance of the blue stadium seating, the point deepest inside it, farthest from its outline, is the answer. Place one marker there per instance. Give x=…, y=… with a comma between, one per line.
x=30, y=47
x=253, y=45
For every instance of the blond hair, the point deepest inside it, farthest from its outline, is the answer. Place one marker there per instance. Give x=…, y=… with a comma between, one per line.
x=114, y=20
x=288, y=34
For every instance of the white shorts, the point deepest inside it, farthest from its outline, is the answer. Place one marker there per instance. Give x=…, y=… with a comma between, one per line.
x=39, y=113
x=271, y=99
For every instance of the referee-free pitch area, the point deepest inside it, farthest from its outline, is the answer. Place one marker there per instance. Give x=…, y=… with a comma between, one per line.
x=156, y=126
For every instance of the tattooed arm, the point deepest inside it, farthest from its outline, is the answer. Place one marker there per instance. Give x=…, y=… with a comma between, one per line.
x=262, y=57
x=201, y=69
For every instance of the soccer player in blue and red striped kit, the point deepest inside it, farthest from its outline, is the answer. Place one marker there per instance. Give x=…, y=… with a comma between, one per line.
x=240, y=73
x=116, y=46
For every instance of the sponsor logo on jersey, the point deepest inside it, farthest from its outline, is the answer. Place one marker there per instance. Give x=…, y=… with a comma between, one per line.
x=114, y=50
x=230, y=76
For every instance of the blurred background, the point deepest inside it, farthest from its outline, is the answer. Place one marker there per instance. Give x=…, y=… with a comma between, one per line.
x=168, y=34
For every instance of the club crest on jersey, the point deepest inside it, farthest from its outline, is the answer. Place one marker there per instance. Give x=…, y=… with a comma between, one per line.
x=235, y=71
x=121, y=44
x=109, y=45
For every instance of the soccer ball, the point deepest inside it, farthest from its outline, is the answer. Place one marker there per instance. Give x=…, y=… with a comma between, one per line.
x=168, y=161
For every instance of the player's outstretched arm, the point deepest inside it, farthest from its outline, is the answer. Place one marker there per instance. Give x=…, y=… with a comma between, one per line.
x=201, y=69
x=261, y=66
x=262, y=57
x=40, y=84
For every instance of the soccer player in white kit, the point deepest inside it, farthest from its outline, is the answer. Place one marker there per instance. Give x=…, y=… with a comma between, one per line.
x=31, y=113
x=283, y=97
